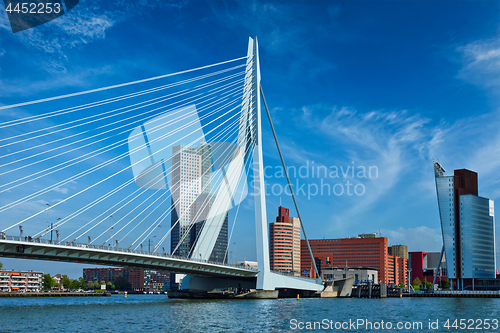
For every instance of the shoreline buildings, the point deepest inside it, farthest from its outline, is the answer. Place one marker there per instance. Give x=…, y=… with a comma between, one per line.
x=424, y=265
x=366, y=251
x=134, y=275
x=468, y=228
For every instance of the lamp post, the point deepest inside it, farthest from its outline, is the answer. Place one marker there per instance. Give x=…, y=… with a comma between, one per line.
x=47, y=223
x=52, y=229
x=159, y=239
x=409, y=280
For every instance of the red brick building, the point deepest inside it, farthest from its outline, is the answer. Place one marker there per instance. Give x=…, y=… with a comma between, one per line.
x=134, y=275
x=355, y=252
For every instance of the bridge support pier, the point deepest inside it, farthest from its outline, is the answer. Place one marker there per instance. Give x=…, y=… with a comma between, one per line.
x=205, y=283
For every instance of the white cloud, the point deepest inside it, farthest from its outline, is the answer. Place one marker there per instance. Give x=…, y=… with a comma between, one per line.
x=481, y=62
x=68, y=31
x=417, y=239
x=62, y=190
x=389, y=140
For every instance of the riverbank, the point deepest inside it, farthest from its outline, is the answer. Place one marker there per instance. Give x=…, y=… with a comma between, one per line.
x=53, y=294
x=477, y=294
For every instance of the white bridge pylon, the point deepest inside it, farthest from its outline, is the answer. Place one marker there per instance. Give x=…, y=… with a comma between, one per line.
x=250, y=135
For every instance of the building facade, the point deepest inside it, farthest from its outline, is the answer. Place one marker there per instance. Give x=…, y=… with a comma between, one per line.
x=20, y=281
x=399, y=251
x=468, y=227
x=423, y=265
x=134, y=275
x=155, y=280
x=354, y=252
x=360, y=274
x=284, y=242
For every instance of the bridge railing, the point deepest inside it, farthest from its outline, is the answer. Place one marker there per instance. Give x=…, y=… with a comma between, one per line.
x=28, y=239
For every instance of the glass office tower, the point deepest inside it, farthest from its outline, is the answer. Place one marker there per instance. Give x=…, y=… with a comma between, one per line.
x=468, y=227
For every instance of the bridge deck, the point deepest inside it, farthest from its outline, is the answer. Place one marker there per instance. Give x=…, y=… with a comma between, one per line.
x=110, y=256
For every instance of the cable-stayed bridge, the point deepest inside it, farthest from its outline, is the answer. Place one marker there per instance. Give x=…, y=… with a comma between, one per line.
x=145, y=178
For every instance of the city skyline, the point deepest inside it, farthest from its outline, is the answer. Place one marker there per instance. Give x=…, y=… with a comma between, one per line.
x=382, y=84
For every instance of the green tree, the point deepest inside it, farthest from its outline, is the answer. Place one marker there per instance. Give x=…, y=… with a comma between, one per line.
x=121, y=283
x=66, y=282
x=48, y=281
x=1, y=265
x=428, y=284
x=416, y=283
x=401, y=284
x=74, y=284
x=83, y=284
x=444, y=284
x=97, y=285
x=57, y=285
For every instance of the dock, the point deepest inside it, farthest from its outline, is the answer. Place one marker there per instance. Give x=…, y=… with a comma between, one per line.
x=52, y=294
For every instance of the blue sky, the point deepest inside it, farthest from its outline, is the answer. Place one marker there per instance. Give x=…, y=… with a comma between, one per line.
x=391, y=84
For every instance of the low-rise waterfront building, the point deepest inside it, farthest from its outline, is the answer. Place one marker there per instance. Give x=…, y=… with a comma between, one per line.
x=21, y=281
x=360, y=274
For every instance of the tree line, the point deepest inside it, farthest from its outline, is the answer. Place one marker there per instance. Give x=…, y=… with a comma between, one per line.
x=66, y=283
x=120, y=283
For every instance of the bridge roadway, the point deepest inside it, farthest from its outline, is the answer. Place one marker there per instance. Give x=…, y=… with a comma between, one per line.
x=11, y=246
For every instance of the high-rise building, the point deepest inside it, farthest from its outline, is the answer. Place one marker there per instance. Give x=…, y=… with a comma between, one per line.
x=284, y=242
x=187, y=184
x=191, y=203
x=468, y=227
x=354, y=252
x=199, y=212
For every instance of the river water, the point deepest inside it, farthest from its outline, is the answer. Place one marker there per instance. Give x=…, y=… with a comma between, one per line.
x=157, y=313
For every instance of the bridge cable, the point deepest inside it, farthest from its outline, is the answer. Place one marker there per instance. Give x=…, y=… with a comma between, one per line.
x=289, y=184
x=115, y=86
x=91, y=186
x=101, y=103
x=157, y=100
x=81, y=174
x=80, y=158
x=127, y=182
